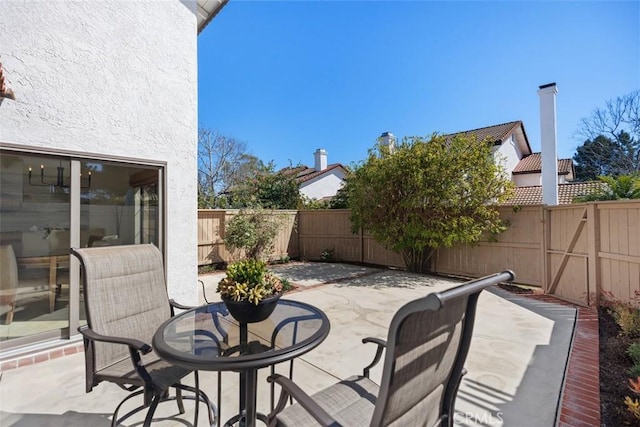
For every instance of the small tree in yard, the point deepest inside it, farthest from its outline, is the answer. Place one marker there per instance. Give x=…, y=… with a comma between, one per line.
x=253, y=232
x=427, y=194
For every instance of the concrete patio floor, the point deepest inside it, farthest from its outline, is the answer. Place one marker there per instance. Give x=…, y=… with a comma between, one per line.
x=515, y=366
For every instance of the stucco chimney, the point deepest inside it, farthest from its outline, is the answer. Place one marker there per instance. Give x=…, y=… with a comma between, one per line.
x=321, y=159
x=389, y=140
x=548, y=136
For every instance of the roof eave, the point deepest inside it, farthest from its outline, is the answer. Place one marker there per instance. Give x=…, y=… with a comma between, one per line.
x=208, y=14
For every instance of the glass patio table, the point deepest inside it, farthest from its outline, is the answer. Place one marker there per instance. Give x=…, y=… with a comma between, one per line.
x=207, y=338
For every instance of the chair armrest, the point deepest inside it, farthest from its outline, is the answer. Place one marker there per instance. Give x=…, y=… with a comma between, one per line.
x=135, y=344
x=382, y=344
x=179, y=306
x=289, y=388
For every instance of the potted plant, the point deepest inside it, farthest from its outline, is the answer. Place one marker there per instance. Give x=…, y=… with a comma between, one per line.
x=250, y=290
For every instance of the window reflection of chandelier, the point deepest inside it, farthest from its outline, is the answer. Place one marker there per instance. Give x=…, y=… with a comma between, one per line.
x=59, y=182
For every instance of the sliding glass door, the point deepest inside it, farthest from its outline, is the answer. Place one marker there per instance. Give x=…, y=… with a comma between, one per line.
x=116, y=203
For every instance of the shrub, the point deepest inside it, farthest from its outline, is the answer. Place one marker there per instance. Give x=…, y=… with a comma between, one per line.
x=252, y=231
x=628, y=318
x=634, y=353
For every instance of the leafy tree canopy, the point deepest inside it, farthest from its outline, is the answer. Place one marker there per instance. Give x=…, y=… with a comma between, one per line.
x=611, y=139
x=267, y=189
x=617, y=188
x=429, y=193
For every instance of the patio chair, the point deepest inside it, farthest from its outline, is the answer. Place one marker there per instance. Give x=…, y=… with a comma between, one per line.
x=126, y=301
x=426, y=348
x=8, y=281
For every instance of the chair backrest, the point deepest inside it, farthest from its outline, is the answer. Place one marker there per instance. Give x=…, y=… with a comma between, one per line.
x=427, y=346
x=124, y=296
x=8, y=275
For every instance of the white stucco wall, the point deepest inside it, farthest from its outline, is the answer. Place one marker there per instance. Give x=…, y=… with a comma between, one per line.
x=527, y=180
x=508, y=154
x=326, y=185
x=111, y=78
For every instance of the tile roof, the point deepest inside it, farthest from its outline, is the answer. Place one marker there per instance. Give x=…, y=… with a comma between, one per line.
x=533, y=163
x=304, y=173
x=496, y=133
x=566, y=193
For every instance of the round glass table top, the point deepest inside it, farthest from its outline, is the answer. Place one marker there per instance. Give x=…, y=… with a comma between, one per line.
x=208, y=338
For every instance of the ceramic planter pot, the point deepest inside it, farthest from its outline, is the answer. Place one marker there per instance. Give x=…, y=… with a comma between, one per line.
x=248, y=312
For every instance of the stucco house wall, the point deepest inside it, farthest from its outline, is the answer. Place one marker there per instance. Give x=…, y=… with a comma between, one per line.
x=508, y=154
x=527, y=180
x=325, y=185
x=111, y=78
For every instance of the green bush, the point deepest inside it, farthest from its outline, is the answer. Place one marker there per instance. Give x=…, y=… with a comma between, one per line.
x=252, y=231
x=628, y=318
x=634, y=353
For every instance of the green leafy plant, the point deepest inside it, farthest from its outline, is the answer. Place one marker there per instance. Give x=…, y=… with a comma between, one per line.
x=250, y=280
x=284, y=259
x=428, y=193
x=634, y=353
x=628, y=318
x=253, y=232
x=326, y=255
x=625, y=315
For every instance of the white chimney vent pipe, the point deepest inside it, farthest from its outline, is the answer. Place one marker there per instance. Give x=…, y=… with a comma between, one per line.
x=548, y=137
x=320, y=159
x=389, y=140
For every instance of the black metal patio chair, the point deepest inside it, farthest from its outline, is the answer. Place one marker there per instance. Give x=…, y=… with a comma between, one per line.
x=426, y=348
x=126, y=301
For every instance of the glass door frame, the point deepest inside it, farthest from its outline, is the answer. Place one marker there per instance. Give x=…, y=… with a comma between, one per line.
x=76, y=160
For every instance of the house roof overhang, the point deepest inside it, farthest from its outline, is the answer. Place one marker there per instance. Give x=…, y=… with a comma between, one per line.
x=206, y=10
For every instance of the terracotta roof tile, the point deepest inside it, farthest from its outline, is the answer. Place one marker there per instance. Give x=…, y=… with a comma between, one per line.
x=496, y=133
x=304, y=173
x=566, y=193
x=533, y=163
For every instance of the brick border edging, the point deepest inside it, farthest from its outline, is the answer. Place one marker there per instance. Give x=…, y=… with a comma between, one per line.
x=580, y=394
x=42, y=356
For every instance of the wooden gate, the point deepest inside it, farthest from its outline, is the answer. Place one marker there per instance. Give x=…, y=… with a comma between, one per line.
x=567, y=241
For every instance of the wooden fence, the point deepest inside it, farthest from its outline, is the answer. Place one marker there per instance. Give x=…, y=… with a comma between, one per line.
x=211, y=226
x=576, y=252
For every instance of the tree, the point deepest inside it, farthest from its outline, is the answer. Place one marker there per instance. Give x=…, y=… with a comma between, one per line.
x=621, y=187
x=267, y=189
x=222, y=164
x=594, y=158
x=427, y=194
x=612, y=139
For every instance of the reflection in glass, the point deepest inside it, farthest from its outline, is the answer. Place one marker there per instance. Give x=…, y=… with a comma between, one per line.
x=118, y=205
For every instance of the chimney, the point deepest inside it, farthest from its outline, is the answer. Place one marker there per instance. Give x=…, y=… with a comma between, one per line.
x=389, y=140
x=548, y=136
x=321, y=159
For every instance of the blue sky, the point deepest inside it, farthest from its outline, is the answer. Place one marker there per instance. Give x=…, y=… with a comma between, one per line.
x=288, y=77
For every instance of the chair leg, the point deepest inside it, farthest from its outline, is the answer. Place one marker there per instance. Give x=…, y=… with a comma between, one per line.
x=197, y=384
x=179, y=400
x=114, y=417
x=152, y=410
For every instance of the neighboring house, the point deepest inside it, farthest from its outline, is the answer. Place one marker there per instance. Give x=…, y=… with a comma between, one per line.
x=511, y=148
x=98, y=146
x=322, y=181
x=528, y=172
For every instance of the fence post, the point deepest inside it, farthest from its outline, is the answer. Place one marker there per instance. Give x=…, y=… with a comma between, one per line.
x=546, y=237
x=361, y=245
x=593, y=260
